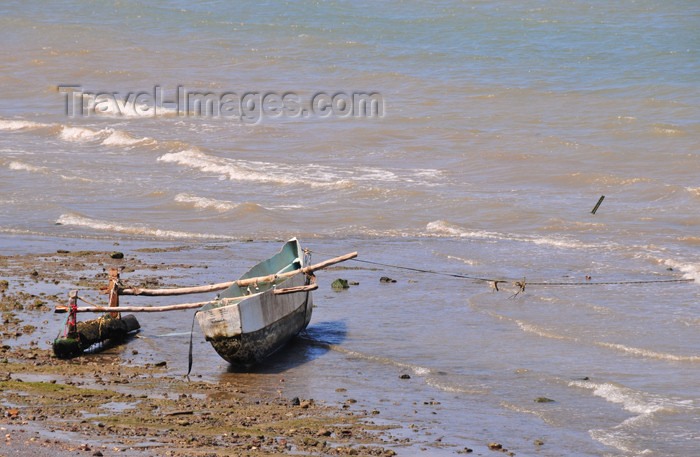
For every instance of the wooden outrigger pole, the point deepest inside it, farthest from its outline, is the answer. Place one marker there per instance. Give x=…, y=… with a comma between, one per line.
x=239, y=283
x=114, y=297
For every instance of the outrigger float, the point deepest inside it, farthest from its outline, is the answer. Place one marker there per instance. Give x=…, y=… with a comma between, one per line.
x=251, y=318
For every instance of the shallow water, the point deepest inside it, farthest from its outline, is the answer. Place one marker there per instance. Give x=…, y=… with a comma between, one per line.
x=502, y=125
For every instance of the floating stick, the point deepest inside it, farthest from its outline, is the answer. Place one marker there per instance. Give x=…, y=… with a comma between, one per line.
x=600, y=200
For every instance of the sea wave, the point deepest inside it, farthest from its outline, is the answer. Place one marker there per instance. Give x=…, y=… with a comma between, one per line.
x=643, y=404
x=632, y=400
x=17, y=165
x=664, y=129
x=463, y=260
x=21, y=166
x=530, y=328
x=72, y=133
x=121, y=138
x=649, y=353
x=205, y=203
x=534, y=329
x=240, y=170
x=80, y=134
x=9, y=124
x=77, y=220
x=694, y=190
x=416, y=369
x=690, y=271
x=451, y=388
x=444, y=228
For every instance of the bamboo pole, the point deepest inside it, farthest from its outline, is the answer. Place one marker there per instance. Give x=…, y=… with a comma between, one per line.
x=157, y=309
x=240, y=283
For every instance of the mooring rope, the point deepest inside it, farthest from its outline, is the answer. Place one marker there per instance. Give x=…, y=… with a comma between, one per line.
x=189, y=357
x=518, y=283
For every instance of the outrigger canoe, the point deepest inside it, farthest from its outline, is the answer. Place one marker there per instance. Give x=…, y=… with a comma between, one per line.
x=263, y=316
x=250, y=318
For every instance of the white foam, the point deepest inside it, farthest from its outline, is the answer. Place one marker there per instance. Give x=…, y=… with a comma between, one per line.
x=667, y=130
x=432, y=382
x=21, y=166
x=694, y=190
x=239, y=170
x=80, y=133
x=6, y=124
x=530, y=328
x=77, y=178
x=444, y=228
x=96, y=224
x=423, y=176
x=644, y=404
x=617, y=439
x=205, y=203
x=649, y=353
x=634, y=401
x=690, y=271
x=463, y=260
x=121, y=138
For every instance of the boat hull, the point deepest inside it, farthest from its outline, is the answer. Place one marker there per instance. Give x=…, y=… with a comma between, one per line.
x=249, y=348
x=248, y=331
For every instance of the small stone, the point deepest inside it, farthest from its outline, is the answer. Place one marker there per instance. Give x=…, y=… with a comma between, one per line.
x=538, y=442
x=304, y=404
x=295, y=401
x=495, y=446
x=386, y=279
x=405, y=376
x=308, y=441
x=97, y=454
x=62, y=251
x=161, y=364
x=375, y=412
x=117, y=255
x=34, y=273
x=340, y=284
x=323, y=432
x=543, y=400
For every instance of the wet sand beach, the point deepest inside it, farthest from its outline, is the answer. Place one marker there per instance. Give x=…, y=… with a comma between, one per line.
x=116, y=399
x=103, y=403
